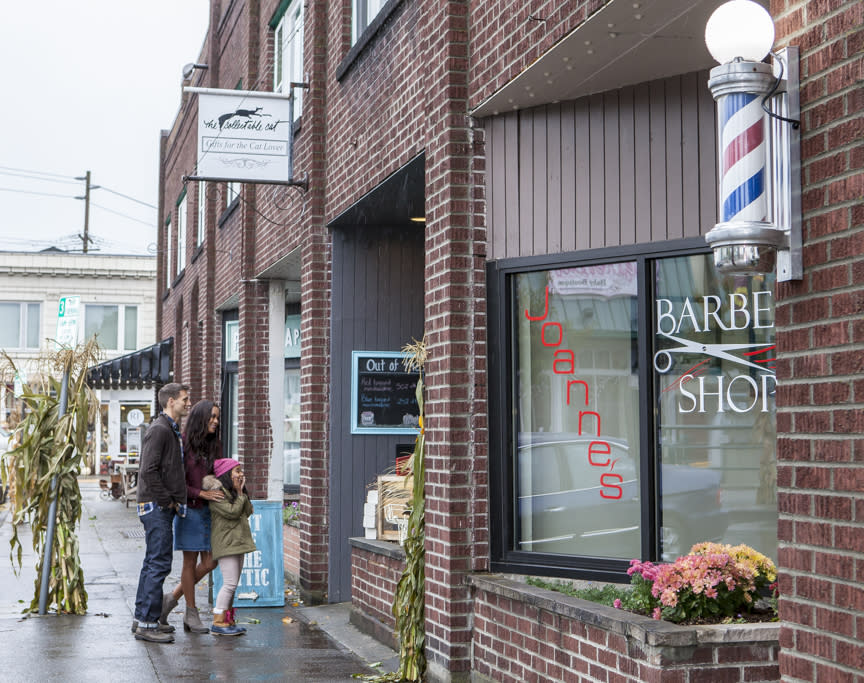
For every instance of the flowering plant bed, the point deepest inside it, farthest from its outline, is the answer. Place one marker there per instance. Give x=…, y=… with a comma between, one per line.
x=712, y=584
x=290, y=512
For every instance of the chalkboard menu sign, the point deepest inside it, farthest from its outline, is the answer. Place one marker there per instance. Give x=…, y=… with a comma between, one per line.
x=383, y=394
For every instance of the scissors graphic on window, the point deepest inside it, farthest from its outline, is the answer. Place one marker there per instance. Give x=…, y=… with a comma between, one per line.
x=719, y=351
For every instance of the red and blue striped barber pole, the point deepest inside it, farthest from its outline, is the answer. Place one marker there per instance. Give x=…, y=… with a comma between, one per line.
x=742, y=149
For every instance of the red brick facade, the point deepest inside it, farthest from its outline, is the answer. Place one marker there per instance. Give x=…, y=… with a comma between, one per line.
x=408, y=91
x=820, y=336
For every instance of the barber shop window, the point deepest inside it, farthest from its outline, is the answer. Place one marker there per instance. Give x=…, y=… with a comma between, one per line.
x=632, y=403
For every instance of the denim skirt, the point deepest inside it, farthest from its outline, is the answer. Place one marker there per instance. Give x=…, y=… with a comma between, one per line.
x=192, y=532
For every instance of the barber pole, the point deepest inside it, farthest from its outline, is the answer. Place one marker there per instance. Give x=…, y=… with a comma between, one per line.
x=742, y=154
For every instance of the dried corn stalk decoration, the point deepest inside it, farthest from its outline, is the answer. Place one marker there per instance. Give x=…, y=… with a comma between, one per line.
x=408, y=605
x=47, y=445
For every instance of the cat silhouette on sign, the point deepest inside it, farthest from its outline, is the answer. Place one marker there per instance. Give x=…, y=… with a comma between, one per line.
x=243, y=113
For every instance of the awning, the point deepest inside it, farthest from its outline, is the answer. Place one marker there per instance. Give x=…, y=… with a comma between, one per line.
x=140, y=369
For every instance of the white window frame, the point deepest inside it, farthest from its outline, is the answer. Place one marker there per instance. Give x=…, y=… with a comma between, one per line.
x=232, y=191
x=182, y=222
x=288, y=58
x=120, y=340
x=23, y=320
x=202, y=212
x=363, y=12
x=168, y=244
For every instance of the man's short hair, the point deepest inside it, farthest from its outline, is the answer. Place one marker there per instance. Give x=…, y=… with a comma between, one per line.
x=170, y=391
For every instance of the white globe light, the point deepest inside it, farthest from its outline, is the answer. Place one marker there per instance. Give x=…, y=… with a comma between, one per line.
x=739, y=28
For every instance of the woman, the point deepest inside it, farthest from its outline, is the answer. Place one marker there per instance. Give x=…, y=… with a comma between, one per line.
x=232, y=539
x=201, y=448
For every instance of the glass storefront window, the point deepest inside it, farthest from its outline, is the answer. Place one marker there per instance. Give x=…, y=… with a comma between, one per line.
x=638, y=417
x=291, y=448
x=132, y=435
x=233, y=425
x=576, y=394
x=714, y=360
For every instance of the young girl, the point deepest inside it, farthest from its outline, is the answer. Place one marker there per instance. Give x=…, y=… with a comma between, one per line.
x=230, y=538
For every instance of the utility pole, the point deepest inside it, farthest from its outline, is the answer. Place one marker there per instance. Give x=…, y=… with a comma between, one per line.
x=85, y=238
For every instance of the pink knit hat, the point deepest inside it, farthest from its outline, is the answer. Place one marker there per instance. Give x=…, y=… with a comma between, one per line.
x=224, y=465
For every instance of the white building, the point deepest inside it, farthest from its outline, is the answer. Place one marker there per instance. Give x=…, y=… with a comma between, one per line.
x=117, y=304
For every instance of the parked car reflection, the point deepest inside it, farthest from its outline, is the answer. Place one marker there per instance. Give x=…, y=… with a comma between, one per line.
x=563, y=509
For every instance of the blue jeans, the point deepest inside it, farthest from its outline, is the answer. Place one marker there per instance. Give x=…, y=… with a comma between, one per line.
x=159, y=541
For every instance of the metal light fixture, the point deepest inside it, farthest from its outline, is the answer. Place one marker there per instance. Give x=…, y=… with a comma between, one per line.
x=189, y=69
x=757, y=111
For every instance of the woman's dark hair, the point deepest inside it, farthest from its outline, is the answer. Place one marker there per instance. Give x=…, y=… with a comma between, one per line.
x=197, y=439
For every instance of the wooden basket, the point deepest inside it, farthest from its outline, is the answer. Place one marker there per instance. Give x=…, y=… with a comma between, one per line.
x=394, y=491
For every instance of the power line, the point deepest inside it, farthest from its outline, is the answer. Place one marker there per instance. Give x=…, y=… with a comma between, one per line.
x=57, y=178
x=24, y=170
x=126, y=196
x=35, y=177
x=41, y=194
x=122, y=214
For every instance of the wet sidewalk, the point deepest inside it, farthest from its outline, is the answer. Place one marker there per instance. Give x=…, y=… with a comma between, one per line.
x=289, y=644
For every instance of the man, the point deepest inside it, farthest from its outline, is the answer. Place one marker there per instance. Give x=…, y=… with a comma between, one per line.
x=161, y=495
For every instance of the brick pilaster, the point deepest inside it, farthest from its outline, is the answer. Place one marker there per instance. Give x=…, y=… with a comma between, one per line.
x=820, y=339
x=457, y=534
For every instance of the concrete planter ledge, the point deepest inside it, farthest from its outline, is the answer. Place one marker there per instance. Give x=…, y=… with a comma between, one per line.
x=546, y=635
x=641, y=628
x=386, y=548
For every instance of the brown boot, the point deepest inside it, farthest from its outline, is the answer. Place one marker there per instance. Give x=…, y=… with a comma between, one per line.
x=221, y=627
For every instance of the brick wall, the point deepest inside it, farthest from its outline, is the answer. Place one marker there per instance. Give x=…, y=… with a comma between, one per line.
x=508, y=36
x=377, y=113
x=291, y=552
x=820, y=337
x=522, y=633
x=374, y=578
x=457, y=536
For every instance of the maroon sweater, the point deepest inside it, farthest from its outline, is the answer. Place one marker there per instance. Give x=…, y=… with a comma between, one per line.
x=196, y=469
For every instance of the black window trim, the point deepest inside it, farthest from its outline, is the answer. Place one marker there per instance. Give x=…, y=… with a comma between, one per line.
x=501, y=485
x=228, y=368
x=366, y=37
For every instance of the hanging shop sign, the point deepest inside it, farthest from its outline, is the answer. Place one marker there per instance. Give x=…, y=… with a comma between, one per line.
x=383, y=394
x=243, y=136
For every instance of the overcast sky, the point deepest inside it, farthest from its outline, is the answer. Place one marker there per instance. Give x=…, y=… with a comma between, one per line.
x=89, y=85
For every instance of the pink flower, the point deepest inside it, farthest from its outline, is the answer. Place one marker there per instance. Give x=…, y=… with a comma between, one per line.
x=656, y=613
x=617, y=603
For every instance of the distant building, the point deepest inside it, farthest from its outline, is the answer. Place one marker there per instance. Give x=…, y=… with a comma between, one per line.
x=117, y=304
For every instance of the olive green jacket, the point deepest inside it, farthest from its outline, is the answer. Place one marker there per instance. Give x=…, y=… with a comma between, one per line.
x=229, y=526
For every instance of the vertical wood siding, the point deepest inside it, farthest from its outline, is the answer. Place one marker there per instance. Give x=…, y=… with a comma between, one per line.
x=623, y=167
x=377, y=305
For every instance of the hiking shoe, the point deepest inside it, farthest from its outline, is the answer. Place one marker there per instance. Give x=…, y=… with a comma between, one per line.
x=162, y=628
x=152, y=635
